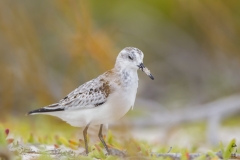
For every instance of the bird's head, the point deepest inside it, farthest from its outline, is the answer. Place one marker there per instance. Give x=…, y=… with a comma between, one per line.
x=131, y=57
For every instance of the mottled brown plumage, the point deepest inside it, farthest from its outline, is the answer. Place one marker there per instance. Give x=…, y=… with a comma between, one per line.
x=103, y=99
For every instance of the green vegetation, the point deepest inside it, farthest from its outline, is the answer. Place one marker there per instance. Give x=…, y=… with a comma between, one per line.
x=62, y=141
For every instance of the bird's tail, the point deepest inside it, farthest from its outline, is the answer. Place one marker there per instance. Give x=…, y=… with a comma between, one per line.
x=50, y=108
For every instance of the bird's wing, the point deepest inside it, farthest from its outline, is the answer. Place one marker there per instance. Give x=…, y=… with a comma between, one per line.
x=90, y=94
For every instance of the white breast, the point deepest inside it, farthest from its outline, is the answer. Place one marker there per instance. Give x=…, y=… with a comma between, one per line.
x=119, y=102
x=117, y=105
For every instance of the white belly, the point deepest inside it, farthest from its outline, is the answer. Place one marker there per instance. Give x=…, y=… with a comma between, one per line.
x=117, y=105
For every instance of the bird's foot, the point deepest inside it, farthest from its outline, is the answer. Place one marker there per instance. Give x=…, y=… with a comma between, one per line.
x=84, y=153
x=116, y=152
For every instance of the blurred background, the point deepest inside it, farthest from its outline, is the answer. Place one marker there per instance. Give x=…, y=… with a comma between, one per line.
x=48, y=48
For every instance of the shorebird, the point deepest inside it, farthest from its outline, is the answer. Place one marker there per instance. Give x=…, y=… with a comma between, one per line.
x=103, y=99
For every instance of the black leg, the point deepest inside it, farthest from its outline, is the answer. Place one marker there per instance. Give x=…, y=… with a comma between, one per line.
x=85, y=137
x=102, y=140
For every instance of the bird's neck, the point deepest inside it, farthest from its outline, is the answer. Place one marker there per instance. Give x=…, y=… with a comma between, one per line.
x=129, y=77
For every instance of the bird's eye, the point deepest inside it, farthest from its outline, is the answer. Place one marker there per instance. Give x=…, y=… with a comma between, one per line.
x=130, y=57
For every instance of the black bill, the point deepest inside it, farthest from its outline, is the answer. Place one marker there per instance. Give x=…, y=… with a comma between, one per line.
x=145, y=70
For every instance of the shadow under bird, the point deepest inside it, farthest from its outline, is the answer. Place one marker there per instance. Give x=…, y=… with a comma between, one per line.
x=103, y=99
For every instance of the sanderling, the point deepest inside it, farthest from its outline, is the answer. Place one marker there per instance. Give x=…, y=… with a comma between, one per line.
x=103, y=99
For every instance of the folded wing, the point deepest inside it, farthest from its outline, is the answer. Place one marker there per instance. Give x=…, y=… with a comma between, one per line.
x=91, y=94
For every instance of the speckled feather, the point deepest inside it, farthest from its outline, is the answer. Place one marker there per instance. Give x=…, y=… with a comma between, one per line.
x=91, y=94
x=105, y=98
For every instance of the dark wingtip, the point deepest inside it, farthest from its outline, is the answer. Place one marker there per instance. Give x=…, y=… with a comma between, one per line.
x=31, y=112
x=42, y=110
